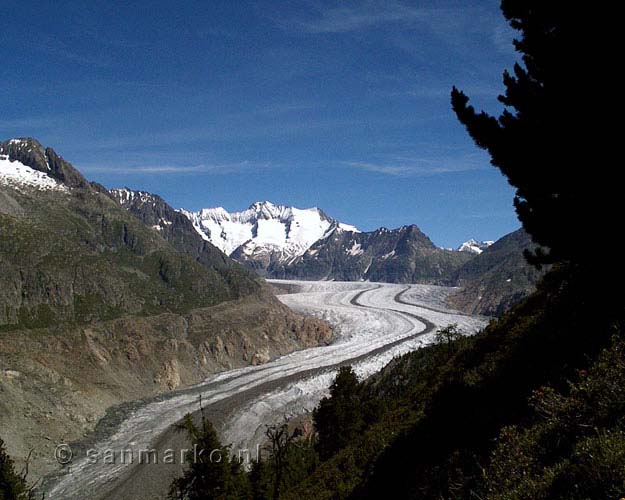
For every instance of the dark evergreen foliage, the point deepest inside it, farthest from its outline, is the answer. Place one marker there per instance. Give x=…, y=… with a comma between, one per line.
x=12, y=485
x=211, y=473
x=542, y=142
x=339, y=418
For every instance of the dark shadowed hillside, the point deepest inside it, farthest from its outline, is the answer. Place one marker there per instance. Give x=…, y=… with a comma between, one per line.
x=496, y=279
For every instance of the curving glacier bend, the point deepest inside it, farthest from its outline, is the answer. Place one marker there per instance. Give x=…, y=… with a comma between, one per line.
x=373, y=321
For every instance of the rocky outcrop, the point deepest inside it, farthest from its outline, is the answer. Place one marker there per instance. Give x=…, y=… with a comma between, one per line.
x=31, y=153
x=56, y=383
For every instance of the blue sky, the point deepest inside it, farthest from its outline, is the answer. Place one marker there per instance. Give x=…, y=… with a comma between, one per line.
x=341, y=105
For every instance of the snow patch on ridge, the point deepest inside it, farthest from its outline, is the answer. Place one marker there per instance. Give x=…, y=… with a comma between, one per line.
x=17, y=175
x=355, y=250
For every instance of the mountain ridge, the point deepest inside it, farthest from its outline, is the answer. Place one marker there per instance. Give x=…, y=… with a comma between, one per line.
x=265, y=231
x=474, y=246
x=317, y=255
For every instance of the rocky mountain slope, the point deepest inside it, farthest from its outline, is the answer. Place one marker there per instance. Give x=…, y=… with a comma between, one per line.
x=178, y=230
x=497, y=278
x=403, y=255
x=70, y=253
x=99, y=306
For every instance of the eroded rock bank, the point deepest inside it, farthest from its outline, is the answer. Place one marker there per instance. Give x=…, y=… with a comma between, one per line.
x=56, y=383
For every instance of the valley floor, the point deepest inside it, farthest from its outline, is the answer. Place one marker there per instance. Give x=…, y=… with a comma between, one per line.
x=373, y=322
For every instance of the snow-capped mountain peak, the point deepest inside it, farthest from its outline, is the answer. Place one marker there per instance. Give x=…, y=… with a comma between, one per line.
x=17, y=159
x=474, y=246
x=16, y=174
x=278, y=232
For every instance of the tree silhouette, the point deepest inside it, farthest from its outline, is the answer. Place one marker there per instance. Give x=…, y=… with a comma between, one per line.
x=211, y=472
x=12, y=485
x=542, y=139
x=339, y=419
x=447, y=336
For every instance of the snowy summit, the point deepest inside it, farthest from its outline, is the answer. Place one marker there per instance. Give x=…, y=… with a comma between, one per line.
x=265, y=228
x=475, y=246
x=17, y=175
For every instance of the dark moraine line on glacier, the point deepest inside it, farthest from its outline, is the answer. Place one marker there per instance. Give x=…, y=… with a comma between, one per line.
x=400, y=300
x=429, y=326
x=139, y=481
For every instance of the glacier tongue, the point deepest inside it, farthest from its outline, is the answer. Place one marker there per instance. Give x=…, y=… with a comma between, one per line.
x=265, y=229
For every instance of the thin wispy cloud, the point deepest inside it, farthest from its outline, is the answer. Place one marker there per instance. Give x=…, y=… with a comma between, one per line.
x=457, y=27
x=58, y=48
x=226, y=168
x=231, y=129
x=406, y=167
x=27, y=123
x=344, y=19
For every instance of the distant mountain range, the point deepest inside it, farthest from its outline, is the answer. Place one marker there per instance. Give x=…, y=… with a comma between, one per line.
x=280, y=241
x=286, y=242
x=474, y=246
x=265, y=236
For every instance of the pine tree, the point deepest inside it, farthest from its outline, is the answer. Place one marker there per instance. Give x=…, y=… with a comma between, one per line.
x=211, y=473
x=543, y=141
x=339, y=418
x=12, y=485
x=448, y=336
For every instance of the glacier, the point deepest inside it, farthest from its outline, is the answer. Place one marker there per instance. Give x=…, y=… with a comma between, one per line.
x=374, y=322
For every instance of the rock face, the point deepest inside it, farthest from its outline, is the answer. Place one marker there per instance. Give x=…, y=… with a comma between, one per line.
x=497, y=278
x=104, y=299
x=177, y=229
x=31, y=153
x=403, y=255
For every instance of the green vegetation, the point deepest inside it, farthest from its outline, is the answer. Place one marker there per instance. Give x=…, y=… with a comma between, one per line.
x=215, y=474
x=339, y=418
